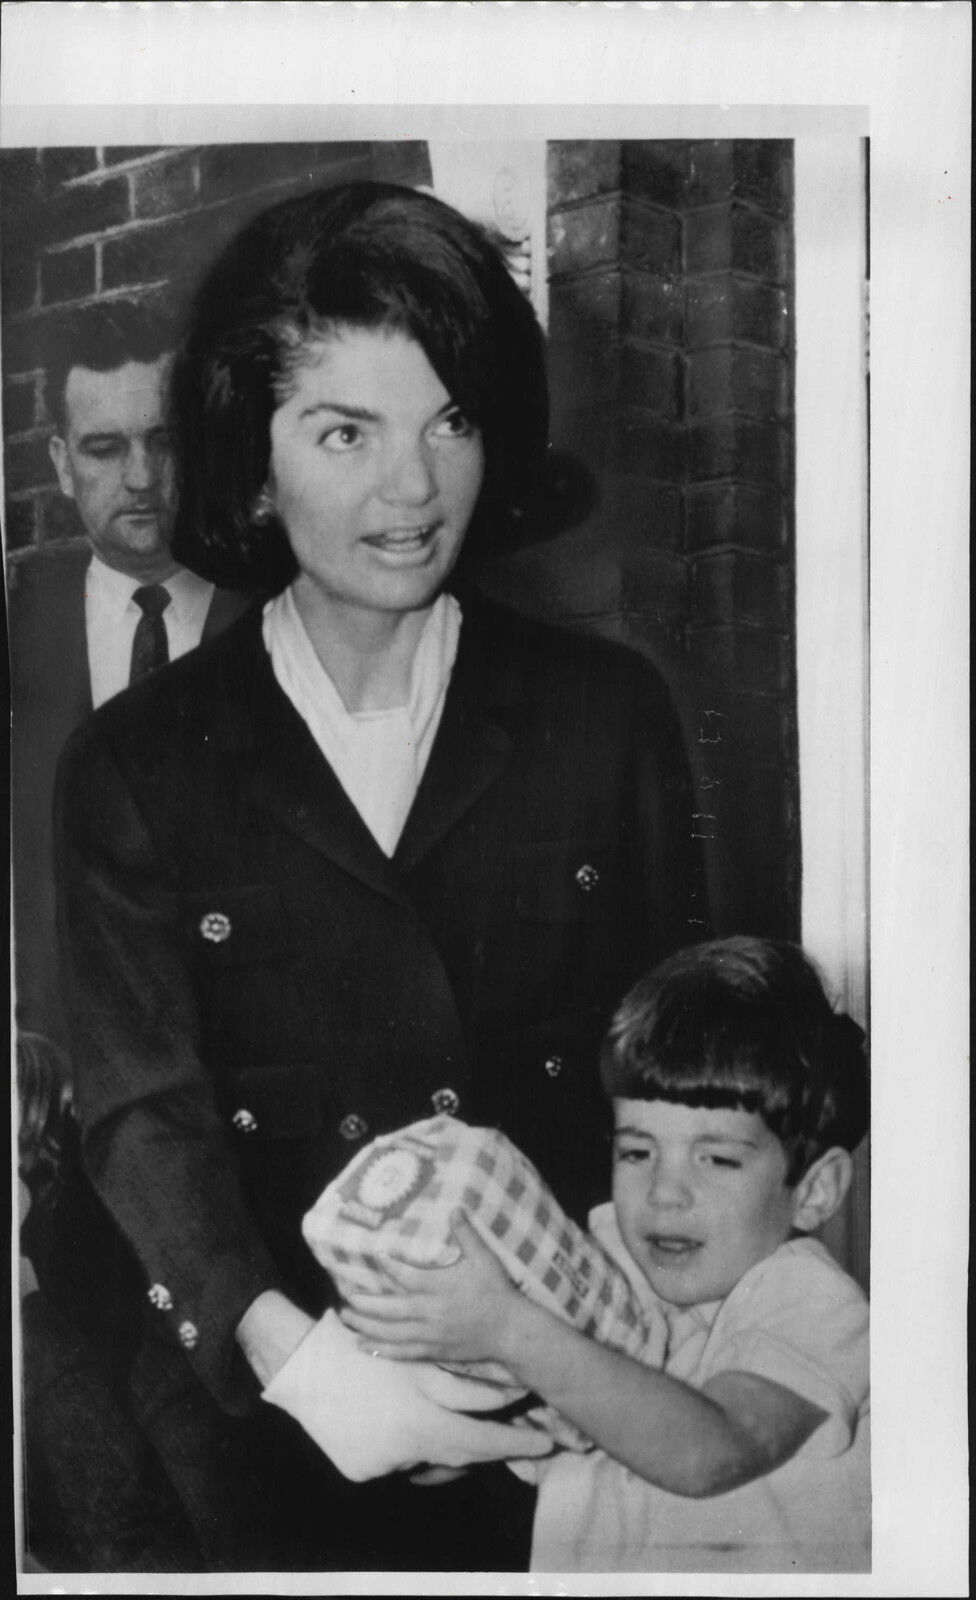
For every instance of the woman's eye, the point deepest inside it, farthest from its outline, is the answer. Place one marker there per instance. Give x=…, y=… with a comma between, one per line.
x=344, y=437
x=454, y=425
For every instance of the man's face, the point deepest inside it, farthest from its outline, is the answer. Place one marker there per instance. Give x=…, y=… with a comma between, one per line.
x=115, y=461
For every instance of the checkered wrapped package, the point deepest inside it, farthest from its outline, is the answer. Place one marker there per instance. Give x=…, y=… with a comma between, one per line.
x=396, y=1199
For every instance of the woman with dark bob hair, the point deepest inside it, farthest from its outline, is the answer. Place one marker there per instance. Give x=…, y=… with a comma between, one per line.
x=382, y=850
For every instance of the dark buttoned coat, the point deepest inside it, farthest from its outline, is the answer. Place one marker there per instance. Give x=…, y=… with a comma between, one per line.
x=255, y=989
x=50, y=682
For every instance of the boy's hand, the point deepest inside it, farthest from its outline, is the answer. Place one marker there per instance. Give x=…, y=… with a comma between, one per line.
x=463, y=1312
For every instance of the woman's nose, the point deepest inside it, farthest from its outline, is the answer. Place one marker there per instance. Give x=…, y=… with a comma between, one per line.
x=409, y=476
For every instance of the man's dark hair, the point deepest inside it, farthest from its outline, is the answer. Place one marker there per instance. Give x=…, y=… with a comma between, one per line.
x=103, y=338
x=744, y=1023
x=362, y=255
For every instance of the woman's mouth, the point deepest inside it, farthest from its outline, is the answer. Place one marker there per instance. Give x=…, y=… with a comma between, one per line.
x=402, y=541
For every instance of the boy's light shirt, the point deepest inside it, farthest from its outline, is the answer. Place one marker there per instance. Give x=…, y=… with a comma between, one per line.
x=690, y=1328
x=795, y=1318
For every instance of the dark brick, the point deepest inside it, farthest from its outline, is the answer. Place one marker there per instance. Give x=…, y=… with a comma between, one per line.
x=735, y=238
x=652, y=308
x=647, y=444
x=20, y=404
x=655, y=581
x=28, y=342
x=234, y=169
x=59, y=519
x=27, y=463
x=656, y=170
x=735, y=513
x=757, y=170
x=584, y=373
x=405, y=161
x=737, y=447
x=762, y=728
x=19, y=523
x=738, y=378
x=116, y=154
x=581, y=308
x=20, y=179
x=62, y=163
x=754, y=659
x=164, y=187
x=764, y=173
x=639, y=512
x=738, y=587
x=576, y=168
x=68, y=274
x=723, y=309
x=18, y=277
x=89, y=208
x=612, y=231
x=147, y=254
x=651, y=378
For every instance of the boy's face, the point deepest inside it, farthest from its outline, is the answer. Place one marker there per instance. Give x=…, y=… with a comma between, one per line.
x=700, y=1195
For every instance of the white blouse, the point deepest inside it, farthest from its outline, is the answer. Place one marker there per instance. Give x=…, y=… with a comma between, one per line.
x=378, y=756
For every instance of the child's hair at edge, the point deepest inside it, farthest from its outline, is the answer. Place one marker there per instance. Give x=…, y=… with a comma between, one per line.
x=744, y=1023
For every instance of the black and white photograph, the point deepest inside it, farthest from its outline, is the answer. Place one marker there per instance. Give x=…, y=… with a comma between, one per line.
x=461, y=969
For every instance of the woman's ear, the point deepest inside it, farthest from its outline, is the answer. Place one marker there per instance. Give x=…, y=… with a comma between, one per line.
x=263, y=508
x=822, y=1188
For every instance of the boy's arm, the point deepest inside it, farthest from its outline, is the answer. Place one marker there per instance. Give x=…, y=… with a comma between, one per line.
x=691, y=1442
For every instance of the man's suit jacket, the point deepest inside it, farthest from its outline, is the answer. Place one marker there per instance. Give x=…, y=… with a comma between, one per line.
x=255, y=988
x=50, y=697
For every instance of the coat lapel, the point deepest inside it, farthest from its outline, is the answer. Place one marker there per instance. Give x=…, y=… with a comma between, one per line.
x=290, y=780
x=473, y=744
x=286, y=776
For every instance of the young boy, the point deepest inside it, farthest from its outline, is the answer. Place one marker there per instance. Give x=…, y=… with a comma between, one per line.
x=738, y=1096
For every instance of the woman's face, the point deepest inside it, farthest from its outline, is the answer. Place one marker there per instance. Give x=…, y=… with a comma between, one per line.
x=374, y=472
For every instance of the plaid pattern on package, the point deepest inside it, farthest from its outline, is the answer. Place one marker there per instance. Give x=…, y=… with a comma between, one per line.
x=396, y=1199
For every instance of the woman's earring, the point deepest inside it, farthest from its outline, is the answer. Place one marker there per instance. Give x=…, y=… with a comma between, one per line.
x=263, y=510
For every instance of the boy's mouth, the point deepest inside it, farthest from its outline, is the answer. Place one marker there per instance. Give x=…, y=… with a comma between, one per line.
x=672, y=1249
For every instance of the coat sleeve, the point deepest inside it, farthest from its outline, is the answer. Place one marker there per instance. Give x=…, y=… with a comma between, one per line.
x=154, y=1144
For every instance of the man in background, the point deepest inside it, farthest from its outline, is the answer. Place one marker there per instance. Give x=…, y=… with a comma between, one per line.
x=86, y=619
x=89, y=618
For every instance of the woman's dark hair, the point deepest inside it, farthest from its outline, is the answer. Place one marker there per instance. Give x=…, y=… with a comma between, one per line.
x=366, y=255
x=745, y=1023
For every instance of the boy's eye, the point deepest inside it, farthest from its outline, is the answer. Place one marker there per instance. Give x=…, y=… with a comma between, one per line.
x=631, y=1153
x=714, y=1160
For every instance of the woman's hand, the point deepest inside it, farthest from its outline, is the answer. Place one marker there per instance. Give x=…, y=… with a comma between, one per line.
x=464, y=1312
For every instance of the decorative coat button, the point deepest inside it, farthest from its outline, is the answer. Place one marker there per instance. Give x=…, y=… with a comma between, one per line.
x=445, y=1102
x=215, y=927
x=244, y=1121
x=160, y=1297
x=353, y=1126
x=553, y=1065
x=587, y=877
x=188, y=1335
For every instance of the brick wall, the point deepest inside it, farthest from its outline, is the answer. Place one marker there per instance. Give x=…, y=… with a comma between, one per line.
x=671, y=363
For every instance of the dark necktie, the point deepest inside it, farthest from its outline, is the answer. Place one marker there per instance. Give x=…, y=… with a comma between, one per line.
x=150, y=646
